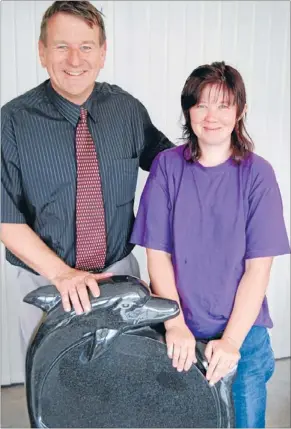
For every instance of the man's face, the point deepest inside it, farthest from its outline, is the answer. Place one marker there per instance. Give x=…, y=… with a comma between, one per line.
x=72, y=56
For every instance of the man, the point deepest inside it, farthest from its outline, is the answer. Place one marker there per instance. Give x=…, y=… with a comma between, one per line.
x=71, y=149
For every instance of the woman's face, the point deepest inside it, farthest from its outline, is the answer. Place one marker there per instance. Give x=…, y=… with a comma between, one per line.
x=213, y=118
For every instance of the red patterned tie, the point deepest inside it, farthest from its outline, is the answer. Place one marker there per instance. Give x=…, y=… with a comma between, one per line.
x=90, y=218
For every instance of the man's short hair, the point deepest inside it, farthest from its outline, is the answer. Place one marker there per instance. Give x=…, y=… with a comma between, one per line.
x=82, y=9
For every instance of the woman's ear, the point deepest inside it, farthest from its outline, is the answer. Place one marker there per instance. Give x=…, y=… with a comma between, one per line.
x=243, y=113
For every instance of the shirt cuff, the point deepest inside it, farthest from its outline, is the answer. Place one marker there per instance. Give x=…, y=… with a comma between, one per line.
x=151, y=244
x=267, y=252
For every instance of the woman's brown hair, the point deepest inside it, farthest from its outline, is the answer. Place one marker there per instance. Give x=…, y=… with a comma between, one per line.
x=230, y=81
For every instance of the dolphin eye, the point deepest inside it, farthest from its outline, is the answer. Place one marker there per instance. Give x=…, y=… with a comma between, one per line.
x=125, y=305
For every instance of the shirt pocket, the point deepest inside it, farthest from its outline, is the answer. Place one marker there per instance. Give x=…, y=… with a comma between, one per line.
x=124, y=177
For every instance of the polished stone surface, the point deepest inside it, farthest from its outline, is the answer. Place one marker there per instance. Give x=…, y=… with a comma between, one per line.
x=109, y=367
x=14, y=412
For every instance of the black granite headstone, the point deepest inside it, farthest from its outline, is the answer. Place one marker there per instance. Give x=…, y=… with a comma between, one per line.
x=109, y=367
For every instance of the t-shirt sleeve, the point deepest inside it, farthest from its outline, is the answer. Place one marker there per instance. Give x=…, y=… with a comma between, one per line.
x=12, y=200
x=266, y=233
x=152, y=225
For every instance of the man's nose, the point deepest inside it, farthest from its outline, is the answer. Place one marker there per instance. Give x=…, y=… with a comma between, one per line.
x=74, y=57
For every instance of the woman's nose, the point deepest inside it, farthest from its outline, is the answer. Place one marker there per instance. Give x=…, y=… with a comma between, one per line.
x=210, y=115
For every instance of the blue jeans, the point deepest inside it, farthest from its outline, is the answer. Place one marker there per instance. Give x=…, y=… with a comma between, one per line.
x=255, y=368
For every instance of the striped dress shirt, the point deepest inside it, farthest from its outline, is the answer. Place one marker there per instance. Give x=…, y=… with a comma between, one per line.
x=38, y=172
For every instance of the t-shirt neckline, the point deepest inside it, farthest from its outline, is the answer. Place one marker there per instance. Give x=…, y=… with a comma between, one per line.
x=216, y=168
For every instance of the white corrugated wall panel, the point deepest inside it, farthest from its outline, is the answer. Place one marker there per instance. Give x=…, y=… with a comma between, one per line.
x=152, y=47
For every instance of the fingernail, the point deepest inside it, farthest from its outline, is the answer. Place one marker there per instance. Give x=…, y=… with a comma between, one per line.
x=211, y=383
x=180, y=370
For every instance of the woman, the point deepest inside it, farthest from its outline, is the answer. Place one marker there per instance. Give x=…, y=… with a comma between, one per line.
x=211, y=219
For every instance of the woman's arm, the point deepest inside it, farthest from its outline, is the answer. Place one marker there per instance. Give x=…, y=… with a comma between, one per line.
x=223, y=354
x=249, y=298
x=180, y=340
x=162, y=279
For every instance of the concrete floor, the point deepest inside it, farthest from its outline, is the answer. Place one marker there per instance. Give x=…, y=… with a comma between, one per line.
x=14, y=415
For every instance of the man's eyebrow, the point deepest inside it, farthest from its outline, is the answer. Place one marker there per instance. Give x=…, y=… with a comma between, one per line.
x=58, y=42
x=85, y=42
x=88, y=42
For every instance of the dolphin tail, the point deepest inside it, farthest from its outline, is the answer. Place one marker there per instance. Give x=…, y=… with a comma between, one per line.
x=45, y=297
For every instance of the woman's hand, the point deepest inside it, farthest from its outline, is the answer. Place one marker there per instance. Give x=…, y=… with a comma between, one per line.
x=222, y=356
x=181, y=346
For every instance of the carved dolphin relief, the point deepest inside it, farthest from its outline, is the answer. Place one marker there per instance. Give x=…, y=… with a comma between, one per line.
x=124, y=304
x=129, y=303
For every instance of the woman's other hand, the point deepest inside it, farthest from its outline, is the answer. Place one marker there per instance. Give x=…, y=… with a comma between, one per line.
x=222, y=356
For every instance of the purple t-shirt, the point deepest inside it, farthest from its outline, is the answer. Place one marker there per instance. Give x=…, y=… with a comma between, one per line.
x=211, y=219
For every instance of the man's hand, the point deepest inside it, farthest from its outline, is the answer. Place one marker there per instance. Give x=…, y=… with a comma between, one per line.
x=181, y=347
x=72, y=285
x=222, y=356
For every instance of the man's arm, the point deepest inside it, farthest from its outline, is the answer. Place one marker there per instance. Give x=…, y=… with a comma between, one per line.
x=21, y=240
x=154, y=141
x=26, y=245
x=72, y=284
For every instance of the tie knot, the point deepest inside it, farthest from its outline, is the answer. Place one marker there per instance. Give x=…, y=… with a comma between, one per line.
x=83, y=113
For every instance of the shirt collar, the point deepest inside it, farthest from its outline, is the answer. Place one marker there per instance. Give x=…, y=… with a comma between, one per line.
x=69, y=110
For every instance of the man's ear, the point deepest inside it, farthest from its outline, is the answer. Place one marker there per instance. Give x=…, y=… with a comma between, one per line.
x=41, y=53
x=243, y=113
x=103, y=53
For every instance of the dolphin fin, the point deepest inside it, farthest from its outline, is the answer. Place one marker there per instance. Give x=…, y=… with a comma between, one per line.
x=45, y=297
x=101, y=340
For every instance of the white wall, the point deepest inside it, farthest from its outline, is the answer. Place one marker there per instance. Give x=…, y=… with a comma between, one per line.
x=152, y=48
